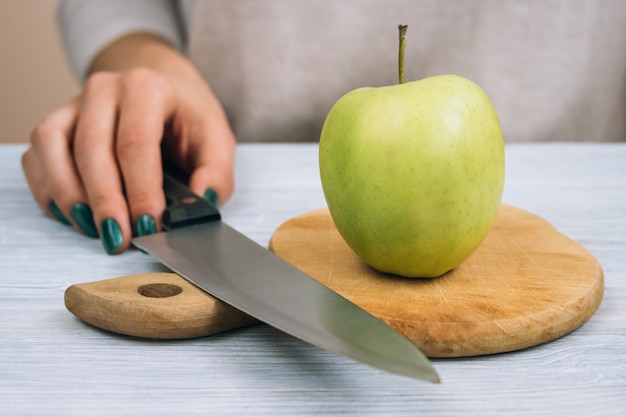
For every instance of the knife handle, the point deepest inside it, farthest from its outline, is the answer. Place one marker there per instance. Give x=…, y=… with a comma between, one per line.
x=184, y=208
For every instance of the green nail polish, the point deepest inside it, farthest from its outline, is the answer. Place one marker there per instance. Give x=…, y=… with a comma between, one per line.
x=145, y=225
x=58, y=213
x=83, y=216
x=211, y=196
x=111, y=235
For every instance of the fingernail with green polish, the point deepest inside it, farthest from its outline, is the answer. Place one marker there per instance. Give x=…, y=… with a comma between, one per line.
x=211, y=196
x=83, y=216
x=111, y=235
x=145, y=225
x=58, y=213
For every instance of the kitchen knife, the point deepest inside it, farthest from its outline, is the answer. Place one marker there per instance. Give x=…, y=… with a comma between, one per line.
x=201, y=248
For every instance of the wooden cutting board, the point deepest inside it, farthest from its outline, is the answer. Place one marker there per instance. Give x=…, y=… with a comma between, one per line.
x=525, y=285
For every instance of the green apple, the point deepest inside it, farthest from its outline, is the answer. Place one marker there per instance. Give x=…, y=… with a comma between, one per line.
x=413, y=173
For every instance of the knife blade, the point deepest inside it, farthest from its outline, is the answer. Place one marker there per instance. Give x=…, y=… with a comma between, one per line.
x=201, y=248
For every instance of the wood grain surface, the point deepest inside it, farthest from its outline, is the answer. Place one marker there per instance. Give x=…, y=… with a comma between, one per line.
x=526, y=284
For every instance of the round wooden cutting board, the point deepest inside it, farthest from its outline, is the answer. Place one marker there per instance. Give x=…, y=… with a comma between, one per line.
x=526, y=284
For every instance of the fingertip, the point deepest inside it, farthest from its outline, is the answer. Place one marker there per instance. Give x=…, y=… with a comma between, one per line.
x=83, y=217
x=54, y=209
x=212, y=197
x=112, y=236
x=36, y=182
x=145, y=225
x=216, y=186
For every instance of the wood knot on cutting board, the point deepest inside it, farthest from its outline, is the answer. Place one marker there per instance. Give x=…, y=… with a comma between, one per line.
x=159, y=290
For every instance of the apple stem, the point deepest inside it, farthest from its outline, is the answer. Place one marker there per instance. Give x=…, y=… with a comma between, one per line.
x=402, y=30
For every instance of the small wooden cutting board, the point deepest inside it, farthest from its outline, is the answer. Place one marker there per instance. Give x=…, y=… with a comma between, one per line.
x=526, y=284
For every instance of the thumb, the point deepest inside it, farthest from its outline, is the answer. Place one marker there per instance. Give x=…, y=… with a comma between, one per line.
x=214, y=182
x=213, y=171
x=207, y=150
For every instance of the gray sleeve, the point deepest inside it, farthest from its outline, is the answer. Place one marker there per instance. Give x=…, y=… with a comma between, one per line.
x=87, y=26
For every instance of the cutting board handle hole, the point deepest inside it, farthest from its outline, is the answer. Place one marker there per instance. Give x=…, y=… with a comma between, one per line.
x=159, y=290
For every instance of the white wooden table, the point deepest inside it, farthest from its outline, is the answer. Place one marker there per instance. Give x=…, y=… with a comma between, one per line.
x=51, y=364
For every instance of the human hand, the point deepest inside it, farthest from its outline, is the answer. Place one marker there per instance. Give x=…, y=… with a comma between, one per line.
x=95, y=162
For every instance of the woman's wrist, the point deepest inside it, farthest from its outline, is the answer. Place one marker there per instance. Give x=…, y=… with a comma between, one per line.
x=144, y=50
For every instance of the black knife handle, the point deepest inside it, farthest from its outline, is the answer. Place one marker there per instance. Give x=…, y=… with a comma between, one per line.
x=184, y=208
